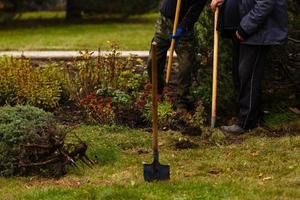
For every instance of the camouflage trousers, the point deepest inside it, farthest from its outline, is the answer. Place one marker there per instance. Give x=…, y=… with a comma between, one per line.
x=185, y=51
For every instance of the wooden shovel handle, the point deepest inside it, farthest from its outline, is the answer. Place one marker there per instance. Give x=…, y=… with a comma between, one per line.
x=172, y=48
x=215, y=71
x=154, y=97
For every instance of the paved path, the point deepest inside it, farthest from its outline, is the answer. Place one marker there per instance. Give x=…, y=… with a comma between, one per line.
x=65, y=54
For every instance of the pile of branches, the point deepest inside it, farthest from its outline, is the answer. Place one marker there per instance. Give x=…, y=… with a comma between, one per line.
x=50, y=156
x=31, y=144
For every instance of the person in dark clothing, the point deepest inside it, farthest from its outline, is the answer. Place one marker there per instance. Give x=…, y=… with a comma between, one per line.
x=262, y=23
x=189, y=14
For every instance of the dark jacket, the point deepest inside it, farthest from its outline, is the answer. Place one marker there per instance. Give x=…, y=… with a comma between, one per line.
x=189, y=12
x=263, y=22
x=229, y=18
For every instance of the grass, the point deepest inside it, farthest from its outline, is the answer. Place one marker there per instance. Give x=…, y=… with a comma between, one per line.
x=253, y=166
x=49, y=31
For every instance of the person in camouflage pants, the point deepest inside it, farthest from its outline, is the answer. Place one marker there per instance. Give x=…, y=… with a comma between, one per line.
x=184, y=48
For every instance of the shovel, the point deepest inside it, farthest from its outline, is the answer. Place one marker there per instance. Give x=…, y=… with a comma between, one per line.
x=155, y=171
x=215, y=72
x=172, y=48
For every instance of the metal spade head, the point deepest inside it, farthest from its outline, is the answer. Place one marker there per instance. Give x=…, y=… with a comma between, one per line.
x=156, y=172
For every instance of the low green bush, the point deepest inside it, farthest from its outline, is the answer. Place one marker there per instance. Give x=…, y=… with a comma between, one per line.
x=19, y=127
x=31, y=143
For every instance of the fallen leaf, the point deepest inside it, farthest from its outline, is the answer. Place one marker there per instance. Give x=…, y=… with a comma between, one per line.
x=255, y=153
x=229, y=153
x=260, y=183
x=295, y=110
x=189, y=174
x=215, y=171
x=291, y=167
x=132, y=183
x=267, y=178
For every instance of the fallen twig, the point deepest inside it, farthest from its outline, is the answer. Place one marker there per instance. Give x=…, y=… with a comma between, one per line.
x=294, y=40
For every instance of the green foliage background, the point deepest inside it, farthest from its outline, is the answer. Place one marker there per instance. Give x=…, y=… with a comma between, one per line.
x=203, y=73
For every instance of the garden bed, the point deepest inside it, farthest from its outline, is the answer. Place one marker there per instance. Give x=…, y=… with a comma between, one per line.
x=111, y=89
x=114, y=91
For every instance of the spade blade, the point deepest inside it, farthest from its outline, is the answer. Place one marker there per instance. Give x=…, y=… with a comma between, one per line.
x=156, y=172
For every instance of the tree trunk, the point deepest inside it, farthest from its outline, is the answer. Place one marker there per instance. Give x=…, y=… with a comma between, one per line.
x=73, y=10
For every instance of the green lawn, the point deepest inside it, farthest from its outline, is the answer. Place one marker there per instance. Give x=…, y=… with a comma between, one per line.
x=253, y=166
x=49, y=31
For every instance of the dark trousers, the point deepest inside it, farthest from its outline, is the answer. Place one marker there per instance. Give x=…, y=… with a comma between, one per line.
x=248, y=69
x=186, y=57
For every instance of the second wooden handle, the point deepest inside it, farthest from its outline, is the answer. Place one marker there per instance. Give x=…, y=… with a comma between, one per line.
x=172, y=48
x=215, y=71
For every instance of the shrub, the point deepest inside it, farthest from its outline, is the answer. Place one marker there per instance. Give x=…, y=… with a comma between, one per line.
x=166, y=115
x=197, y=119
x=21, y=83
x=104, y=75
x=32, y=144
x=107, y=88
x=98, y=109
x=294, y=20
x=20, y=126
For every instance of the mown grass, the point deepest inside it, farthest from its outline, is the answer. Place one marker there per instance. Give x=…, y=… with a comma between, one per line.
x=49, y=31
x=253, y=166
